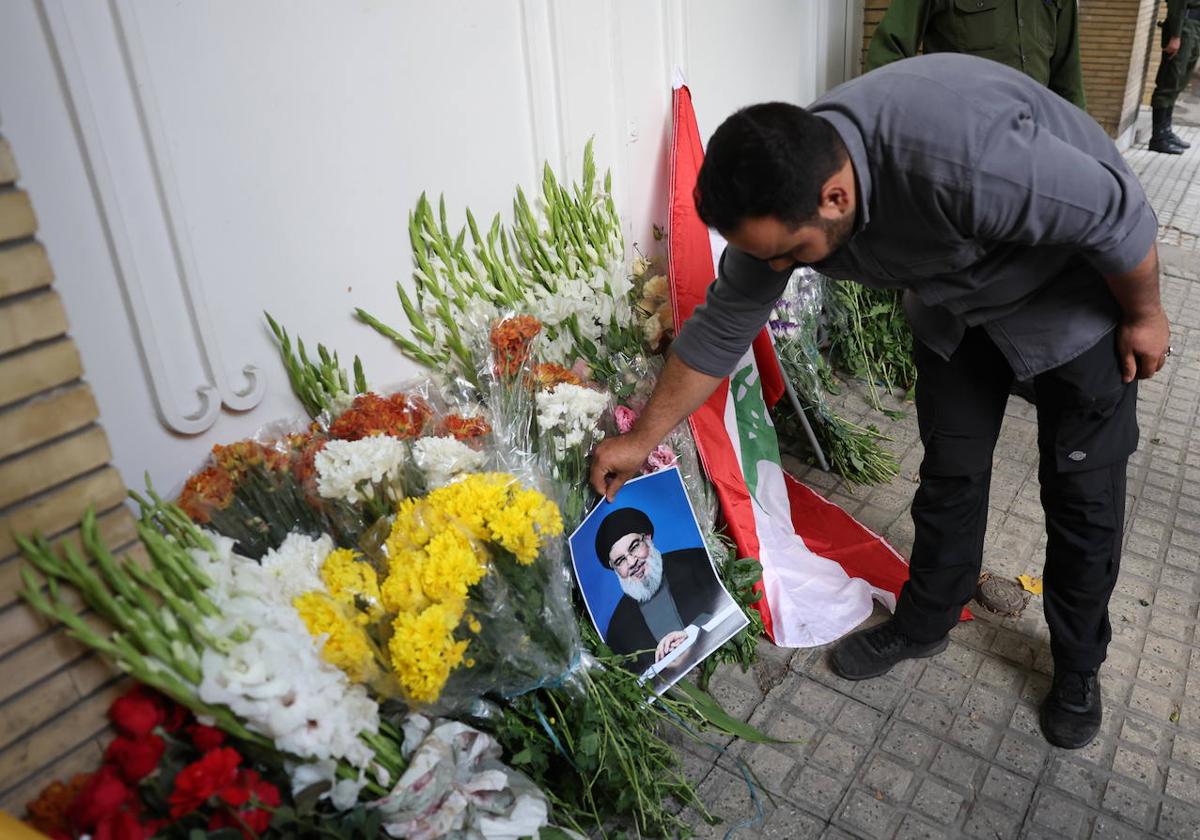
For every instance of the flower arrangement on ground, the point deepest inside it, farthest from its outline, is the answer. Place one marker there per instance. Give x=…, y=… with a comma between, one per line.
x=855, y=451
x=217, y=633
x=374, y=603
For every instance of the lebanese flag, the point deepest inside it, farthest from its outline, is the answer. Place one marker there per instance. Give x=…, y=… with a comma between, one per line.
x=820, y=568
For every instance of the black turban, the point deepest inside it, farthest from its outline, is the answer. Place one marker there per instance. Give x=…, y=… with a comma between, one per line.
x=617, y=524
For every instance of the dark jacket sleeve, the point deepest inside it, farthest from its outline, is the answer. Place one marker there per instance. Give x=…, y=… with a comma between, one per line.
x=694, y=583
x=737, y=306
x=627, y=632
x=899, y=34
x=1066, y=72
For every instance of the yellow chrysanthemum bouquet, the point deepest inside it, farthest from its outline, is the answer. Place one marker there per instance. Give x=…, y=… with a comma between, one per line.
x=467, y=597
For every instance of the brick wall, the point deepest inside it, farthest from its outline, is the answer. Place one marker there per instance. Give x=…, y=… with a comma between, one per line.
x=1113, y=38
x=53, y=465
x=872, y=13
x=1114, y=35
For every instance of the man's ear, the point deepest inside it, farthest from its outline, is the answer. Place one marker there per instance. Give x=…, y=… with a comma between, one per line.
x=836, y=200
x=837, y=194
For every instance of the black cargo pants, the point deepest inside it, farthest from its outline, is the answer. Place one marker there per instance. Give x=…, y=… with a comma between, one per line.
x=1087, y=429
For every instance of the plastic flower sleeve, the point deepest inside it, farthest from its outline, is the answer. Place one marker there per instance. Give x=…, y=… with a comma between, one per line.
x=506, y=374
x=467, y=596
x=795, y=326
x=455, y=785
x=255, y=491
x=636, y=376
x=854, y=451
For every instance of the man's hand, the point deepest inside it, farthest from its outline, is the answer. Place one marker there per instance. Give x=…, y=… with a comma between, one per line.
x=1142, y=345
x=616, y=460
x=1173, y=46
x=668, y=643
x=1143, y=337
x=679, y=392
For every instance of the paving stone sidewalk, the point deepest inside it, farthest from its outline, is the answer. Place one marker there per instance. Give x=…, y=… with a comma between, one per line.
x=949, y=746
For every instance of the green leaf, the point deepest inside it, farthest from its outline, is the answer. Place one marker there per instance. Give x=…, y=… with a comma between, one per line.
x=551, y=832
x=373, y=824
x=219, y=834
x=712, y=712
x=589, y=745
x=306, y=800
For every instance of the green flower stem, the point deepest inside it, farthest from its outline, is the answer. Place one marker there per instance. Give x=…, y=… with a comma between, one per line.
x=387, y=753
x=189, y=618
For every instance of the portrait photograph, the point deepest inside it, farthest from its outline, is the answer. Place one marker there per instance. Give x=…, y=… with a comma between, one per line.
x=649, y=582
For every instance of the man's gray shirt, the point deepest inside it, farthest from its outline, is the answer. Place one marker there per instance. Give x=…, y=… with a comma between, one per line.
x=991, y=200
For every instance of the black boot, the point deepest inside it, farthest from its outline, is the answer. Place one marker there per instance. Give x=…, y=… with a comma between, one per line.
x=872, y=652
x=1071, y=713
x=1175, y=138
x=1160, y=135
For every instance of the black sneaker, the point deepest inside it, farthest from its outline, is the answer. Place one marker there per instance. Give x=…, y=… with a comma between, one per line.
x=1177, y=140
x=872, y=652
x=1071, y=713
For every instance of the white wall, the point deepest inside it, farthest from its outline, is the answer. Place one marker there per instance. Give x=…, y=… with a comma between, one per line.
x=265, y=155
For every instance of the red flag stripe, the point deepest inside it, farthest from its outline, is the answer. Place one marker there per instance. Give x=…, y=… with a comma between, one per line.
x=690, y=267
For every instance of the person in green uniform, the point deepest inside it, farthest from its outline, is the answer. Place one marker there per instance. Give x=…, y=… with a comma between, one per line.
x=1038, y=37
x=1181, y=48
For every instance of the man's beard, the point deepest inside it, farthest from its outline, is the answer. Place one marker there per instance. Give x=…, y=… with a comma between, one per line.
x=837, y=231
x=643, y=590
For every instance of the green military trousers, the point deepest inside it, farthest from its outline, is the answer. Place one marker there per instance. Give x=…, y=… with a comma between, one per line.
x=1174, y=73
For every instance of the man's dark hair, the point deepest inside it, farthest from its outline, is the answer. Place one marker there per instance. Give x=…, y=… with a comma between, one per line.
x=767, y=160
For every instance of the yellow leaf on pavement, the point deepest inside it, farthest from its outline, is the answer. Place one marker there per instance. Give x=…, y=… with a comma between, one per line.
x=1030, y=584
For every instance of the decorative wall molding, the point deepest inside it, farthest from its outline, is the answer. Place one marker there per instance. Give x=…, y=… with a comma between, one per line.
x=135, y=254
x=141, y=84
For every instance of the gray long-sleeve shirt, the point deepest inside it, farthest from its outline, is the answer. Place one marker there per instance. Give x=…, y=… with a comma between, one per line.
x=991, y=200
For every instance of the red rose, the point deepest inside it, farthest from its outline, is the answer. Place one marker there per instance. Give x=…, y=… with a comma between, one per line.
x=205, y=738
x=103, y=795
x=138, y=711
x=123, y=825
x=135, y=758
x=177, y=715
x=200, y=780
x=248, y=788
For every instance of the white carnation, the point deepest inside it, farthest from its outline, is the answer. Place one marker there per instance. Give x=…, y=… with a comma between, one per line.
x=295, y=567
x=343, y=465
x=442, y=459
x=567, y=406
